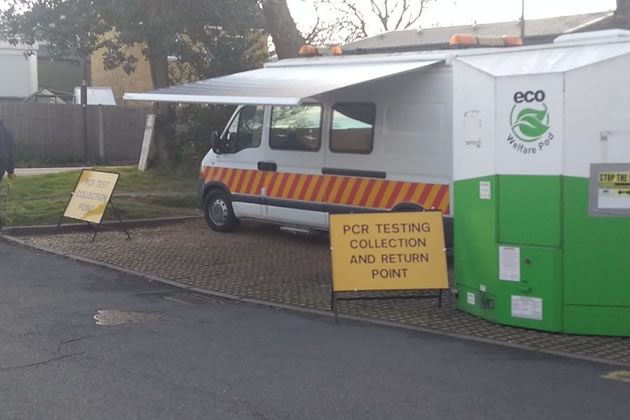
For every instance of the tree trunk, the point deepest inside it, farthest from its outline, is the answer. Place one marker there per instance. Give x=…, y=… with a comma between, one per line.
x=158, y=62
x=622, y=14
x=281, y=26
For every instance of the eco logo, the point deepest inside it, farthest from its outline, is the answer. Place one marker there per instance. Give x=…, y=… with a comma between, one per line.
x=530, y=123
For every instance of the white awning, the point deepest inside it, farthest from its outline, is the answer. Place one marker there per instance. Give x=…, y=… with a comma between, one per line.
x=278, y=84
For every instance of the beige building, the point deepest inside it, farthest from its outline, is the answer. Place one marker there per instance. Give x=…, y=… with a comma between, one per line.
x=140, y=80
x=118, y=79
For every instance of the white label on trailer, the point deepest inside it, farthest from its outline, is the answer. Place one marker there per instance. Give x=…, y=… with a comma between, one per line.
x=484, y=190
x=472, y=128
x=470, y=298
x=509, y=263
x=482, y=287
x=527, y=307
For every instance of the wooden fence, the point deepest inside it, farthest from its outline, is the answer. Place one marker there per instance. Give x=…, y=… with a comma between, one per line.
x=53, y=133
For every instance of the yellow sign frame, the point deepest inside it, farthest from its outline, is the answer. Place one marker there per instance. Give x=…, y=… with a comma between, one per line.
x=387, y=252
x=91, y=195
x=405, y=249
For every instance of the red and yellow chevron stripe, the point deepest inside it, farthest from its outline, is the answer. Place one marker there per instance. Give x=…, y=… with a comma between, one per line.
x=331, y=189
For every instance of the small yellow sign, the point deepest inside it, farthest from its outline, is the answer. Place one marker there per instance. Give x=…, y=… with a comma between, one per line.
x=91, y=195
x=388, y=251
x=614, y=180
x=614, y=190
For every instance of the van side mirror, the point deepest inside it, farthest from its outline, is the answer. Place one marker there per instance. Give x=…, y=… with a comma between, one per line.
x=214, y=141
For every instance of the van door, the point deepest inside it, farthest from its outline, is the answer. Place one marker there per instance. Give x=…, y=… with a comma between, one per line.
x=352, y=154
x=238, y=161
x=295, y=158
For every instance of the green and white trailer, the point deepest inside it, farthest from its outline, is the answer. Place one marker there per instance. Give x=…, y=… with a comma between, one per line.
x=542, y=184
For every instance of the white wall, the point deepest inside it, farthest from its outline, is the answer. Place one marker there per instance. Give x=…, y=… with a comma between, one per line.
x=597, y=105
x=18, y=72
x=474, y=105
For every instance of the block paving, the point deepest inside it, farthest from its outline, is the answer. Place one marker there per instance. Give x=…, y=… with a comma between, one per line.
x=260, y=262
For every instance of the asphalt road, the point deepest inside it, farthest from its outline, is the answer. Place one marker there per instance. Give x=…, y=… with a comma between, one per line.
x=182, y=358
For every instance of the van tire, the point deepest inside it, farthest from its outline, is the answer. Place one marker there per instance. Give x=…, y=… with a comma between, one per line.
x=407, y=207
x=217, y=208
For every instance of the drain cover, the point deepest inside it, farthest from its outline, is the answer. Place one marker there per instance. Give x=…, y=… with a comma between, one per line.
x=111, y=317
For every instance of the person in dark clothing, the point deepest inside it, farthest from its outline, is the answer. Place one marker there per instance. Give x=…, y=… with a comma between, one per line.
x=7, y=162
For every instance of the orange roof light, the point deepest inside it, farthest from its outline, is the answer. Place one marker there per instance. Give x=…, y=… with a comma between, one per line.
x=512, y=41
x=336, y=50
x=466, y=40
x=463, y=40
x=308, y=51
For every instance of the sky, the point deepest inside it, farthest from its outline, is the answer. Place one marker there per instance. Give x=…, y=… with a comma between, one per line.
x=462, y=12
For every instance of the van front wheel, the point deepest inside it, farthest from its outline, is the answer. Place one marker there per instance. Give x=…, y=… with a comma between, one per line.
x=219, y=213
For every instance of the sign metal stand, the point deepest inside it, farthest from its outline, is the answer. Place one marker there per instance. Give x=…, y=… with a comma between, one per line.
x=334, y=298
x=93, y=226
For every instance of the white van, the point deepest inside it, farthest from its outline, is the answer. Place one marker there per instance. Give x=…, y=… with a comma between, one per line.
x=378, y=146
x=320, y=135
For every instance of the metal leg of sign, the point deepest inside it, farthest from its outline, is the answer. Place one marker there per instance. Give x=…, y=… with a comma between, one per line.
x=120, y=220
x=91, y=226
x=440, y=299
x=335, y=309
x=448, y=297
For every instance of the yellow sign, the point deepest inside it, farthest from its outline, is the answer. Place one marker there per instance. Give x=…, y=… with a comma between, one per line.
x=388, y=251
x=614, y=190
x=91, y=195
x=614, y=180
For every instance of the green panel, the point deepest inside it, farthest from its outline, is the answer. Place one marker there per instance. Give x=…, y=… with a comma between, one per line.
x=530, y=210
x=596, y=259
x=541, y=277
x=597, y=320
x=475, y=244
x=576, y=263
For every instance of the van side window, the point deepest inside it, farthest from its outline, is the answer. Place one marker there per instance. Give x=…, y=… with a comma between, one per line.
x=296, y=127
x=245, y=132
x=352, y=129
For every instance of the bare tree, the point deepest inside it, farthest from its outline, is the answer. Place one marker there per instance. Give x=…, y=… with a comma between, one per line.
x=622, y=14
x=349, y=20
x=282, y=28
x=338, y=21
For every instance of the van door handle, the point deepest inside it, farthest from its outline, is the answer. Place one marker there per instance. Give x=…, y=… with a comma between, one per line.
x=267, y=166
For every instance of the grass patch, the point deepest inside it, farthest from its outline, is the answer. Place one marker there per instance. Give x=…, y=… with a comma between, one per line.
x=41, y=199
